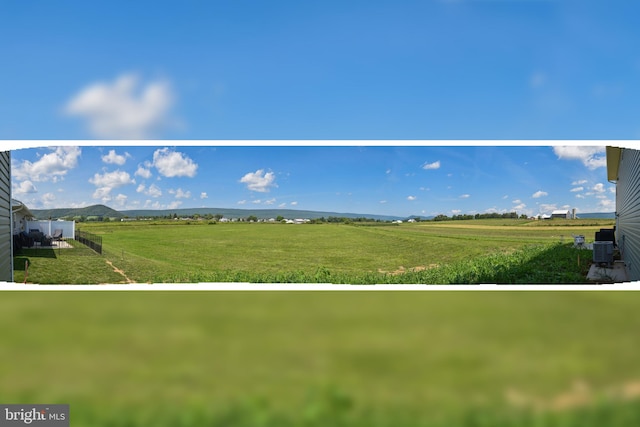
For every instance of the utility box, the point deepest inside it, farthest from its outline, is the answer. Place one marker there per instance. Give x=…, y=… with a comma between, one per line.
x=603, y=252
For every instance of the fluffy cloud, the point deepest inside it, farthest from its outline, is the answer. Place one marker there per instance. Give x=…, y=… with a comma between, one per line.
x=50, y=167
x=153, y=191
x=579, y=182
x=548, y=207
x=576, y=189
x=465, y=196
x=143, y=172
x=539, y=194
x=173, y=163
x=294, y=203
x=269, y=202
x=123, y=109
x=411, y=198
x=121, y=199
x=430, y=166
x=259, y=181
x=114, y=158
x=203, y=195
x=25, y=187
x=599, y=188
x=107, y=182
x=180, y=194
x=111, y=179
x=591, y=157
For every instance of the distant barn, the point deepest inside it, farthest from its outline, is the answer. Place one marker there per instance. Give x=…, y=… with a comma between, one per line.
x=564, y=214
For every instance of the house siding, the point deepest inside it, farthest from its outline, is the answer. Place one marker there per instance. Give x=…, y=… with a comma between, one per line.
x=6, y=245
x=628, y=211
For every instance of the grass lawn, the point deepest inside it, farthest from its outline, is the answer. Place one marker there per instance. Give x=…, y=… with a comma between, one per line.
x=483, y=251
x=203, y=252
x=370, y=358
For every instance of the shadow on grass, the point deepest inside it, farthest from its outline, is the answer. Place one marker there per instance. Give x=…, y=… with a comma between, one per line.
x=37, y=253
x=552, y=264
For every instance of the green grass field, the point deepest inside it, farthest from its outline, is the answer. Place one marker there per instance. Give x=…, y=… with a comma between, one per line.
x=482, y=251
x=325, y=358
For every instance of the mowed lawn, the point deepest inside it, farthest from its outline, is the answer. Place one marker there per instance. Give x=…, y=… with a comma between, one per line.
x=165, y=355
x=170, y=252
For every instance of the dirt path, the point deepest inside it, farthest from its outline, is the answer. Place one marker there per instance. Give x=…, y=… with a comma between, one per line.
x=120, y=272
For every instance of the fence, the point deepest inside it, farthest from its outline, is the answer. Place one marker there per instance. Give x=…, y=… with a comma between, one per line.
x=48, y=227
x=90, y=239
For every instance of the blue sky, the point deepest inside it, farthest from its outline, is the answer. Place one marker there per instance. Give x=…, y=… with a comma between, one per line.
x=507, y=70
x=399, y=180
x=423, y=69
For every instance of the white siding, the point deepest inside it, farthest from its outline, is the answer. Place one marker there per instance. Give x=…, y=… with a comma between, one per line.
x=6, y=244
x=628, y=211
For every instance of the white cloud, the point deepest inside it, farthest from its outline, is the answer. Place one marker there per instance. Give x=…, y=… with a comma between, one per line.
x=173, y=163
x=143, y=172
x=548, y=207
x=599, y=188
x=294, y=203
x=50, y=167
x=579, y=182
x=516, y=201
x=103, y=193
x=456, y=211
x=259, y=181
x=257, y=202
x=25, y=187
x=140, y=188
x=153, y=191
x=519, y=207
x=175, y=204
x=411, y=198
x=242, y=202
x=121, y=199
x=180, y=194
x=539, y=194
x=282, y=205
x=123, y=109
x=113, y=158
x=607, y=205
x=591, y=157
x=383, y=201
x=48, y=199
x=576, y=189
x=111, y=179
x=465, y=196
x=431, y=166
x=203, y=195
x=580, y=196
x=269, y=202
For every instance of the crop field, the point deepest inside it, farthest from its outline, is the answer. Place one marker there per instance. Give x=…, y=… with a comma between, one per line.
x=482, y=251
x=313, y=358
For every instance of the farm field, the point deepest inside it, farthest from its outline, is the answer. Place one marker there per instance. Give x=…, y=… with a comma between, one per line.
x=310, y=358
x=482, y=251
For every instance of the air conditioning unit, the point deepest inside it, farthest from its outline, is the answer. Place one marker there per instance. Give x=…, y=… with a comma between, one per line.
x=603, y=252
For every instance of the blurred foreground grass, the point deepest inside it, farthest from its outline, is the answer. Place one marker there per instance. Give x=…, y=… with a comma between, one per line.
x=324, y=358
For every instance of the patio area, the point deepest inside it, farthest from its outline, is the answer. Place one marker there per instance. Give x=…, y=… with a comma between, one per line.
x=55, y=244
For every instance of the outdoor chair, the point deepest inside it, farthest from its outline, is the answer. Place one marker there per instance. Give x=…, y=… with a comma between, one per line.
x=57, y=234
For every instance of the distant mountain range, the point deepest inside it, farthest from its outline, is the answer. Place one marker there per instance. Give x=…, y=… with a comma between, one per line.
x=105, y=211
